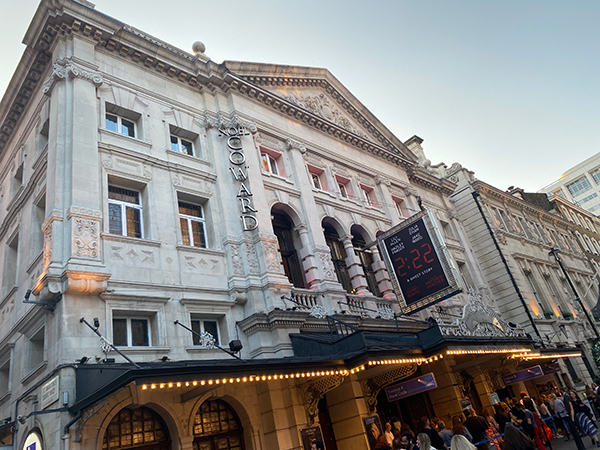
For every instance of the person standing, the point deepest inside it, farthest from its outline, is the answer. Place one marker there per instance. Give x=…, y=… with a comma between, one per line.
x=515, y=440
x=477, y=426
x=445, y=433
x=435, y=440
x=389, y=436
x=570, y=411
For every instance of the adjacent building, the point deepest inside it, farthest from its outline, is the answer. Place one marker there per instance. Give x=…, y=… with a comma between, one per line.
x=189, y=261
x=580, y=185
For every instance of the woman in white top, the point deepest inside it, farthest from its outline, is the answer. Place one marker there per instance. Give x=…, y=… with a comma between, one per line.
x=459, y=442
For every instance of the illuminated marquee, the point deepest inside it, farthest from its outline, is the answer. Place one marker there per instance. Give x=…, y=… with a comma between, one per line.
x=238, y=167
x=422, y=273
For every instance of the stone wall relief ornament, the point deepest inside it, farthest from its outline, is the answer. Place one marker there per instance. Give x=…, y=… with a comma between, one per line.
x=236, y=260
x=47, y=244
x=291, y=144
x=272, y=257
x=59, y=72
x=327, y=265
x=313, y=391
x=318, y=312
x=323, y=107
x=86, y=237
x=252, y=258
x=77, y=72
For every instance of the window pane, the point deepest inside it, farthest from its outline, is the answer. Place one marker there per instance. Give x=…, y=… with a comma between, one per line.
x=124, y=195
x=190, y=210
x=174, y=143
x=199, y=236
x=186, y=147
x=127, y=128
x=111, y=123
x=273, y=165
x=211, y=327
x=343, y=192
x=139, y=332
x=114, y=219
x=134, y=225
x=120, y=332
x=196, y=328
x=185, y=233
x=316, y=181
x=265, y=161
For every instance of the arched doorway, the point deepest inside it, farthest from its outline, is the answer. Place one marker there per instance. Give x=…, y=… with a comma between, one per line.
x=283, y=228
x=138, y=429
x=217, y=426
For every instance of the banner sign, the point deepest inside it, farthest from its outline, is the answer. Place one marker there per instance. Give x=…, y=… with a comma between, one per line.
x=417, y=260
x=522, y=375
x=411, y=387
x=551, y=368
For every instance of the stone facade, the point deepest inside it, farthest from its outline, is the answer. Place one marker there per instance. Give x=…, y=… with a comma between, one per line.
x=145, y=190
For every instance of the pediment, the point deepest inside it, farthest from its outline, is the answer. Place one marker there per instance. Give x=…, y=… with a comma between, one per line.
x=317, y=91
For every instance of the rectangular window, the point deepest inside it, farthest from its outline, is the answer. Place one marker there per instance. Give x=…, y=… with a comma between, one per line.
x=11, y=261
x=183, y=141
x=369, y=196
x=131, y=332
x=124, y=212
x=401, y=209
x=317, y=177
x=191, y=219
x=272, y=162
x=344, y=187
x=208, y=326
x=121, y=120
x=5, y=377
x=36, y=350
x=536, y=292
x=579, y=187
x=596, y=175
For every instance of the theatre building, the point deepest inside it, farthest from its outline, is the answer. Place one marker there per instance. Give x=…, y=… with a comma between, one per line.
x=189, y=260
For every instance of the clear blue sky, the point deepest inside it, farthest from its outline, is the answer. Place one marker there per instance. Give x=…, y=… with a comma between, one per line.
x=508, y=88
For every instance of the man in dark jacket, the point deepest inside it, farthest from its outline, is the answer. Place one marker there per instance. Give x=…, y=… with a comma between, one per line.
x=436, y=441
x=477, y=426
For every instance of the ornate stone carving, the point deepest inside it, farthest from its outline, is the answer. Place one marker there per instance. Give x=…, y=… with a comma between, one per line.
x=86, y=237
x=252, y=258
x=478, y=320
x=47, y=244
x=326, y=264
x=323, y=107
x=291, y=144
x=85, y=417
x=272, y=256
x=372, y=386
x=236, y=260
x=63, y=68
x=312, y=392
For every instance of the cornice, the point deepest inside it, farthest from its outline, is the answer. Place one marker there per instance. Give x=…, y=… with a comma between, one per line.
x=431, y=182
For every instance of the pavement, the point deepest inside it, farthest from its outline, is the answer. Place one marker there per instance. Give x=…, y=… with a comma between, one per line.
x=563, y=444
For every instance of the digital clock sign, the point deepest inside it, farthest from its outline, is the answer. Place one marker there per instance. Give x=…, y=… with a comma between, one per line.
x=420, y=270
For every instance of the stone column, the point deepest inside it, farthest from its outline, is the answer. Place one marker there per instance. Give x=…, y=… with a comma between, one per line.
x=357, y=275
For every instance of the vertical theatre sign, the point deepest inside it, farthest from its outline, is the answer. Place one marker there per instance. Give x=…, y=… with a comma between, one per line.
x=416, y=257
x=238, y=169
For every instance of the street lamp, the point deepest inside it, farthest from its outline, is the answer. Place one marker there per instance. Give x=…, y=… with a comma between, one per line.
x=554, y=252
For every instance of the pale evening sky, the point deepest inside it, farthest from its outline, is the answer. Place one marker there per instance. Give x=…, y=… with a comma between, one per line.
x=510, y=89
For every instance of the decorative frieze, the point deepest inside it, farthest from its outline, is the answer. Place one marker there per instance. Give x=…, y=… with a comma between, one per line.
x=314, y=391
x=86, y=238
x=372, y=386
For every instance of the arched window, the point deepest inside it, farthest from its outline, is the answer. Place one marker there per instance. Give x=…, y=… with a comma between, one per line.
x=139, y=429
x=366, y=260
x=283, y=228
x=338, y=255
x=216, y=426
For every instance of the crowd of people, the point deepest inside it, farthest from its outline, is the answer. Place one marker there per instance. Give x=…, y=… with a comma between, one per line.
x=525, y=423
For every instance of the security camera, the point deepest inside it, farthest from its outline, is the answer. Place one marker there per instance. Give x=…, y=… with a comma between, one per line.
x=96, y=323
x=22, y=419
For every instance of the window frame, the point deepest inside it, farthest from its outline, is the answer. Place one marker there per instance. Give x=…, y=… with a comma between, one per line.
x=122, y=114
x=189, y=219
x=201, y=321
x=344, y=186
x=180, y=148
x=129, y=330
x=271, y=162
x=123, y=206
x=401, y=207
x=368, y=196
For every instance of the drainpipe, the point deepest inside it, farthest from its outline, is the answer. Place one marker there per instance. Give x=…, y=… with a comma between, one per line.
x=476, y=195
x=66, y=436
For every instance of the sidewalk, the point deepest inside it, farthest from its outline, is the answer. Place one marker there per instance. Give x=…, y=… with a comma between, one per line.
x=563, y=444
